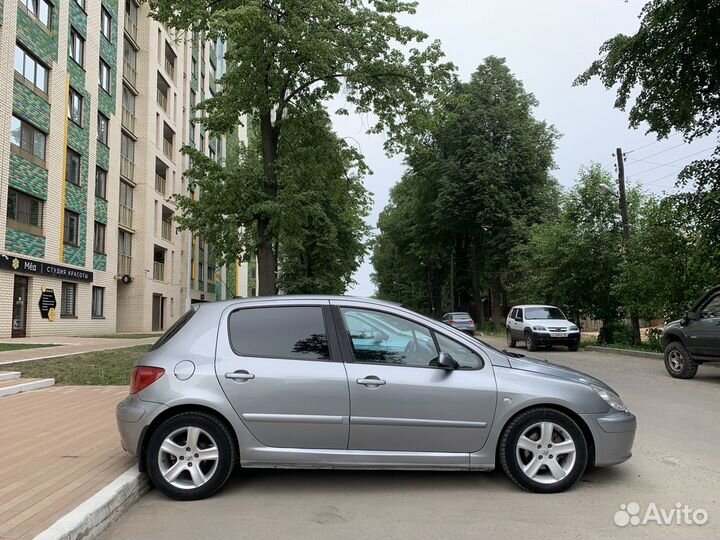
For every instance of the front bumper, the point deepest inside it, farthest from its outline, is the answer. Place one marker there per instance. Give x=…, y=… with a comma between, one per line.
x=133, y=417
x=614, y=434
x=544, y=338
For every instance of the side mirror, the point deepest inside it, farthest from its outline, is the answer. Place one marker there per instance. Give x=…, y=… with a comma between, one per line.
x=689, y=316
x=379, y=336
x=518, y=318
x=447, y=362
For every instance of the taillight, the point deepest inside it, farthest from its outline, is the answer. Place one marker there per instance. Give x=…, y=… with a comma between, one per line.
x=144, y=376
x=452, y=322
x=472, y=322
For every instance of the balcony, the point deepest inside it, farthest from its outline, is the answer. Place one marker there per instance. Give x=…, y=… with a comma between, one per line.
x=129, y=73
x=126, y=216
x=166, y=230
x=170, y=68
x=130, y=27
x=158, y=271
x=162, y=100
x=127, y=168
x=167, y=148
x=160, y=184
x=128, y=120
x=124, y=264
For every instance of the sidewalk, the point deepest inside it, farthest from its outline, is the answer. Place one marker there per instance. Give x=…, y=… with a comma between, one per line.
x=61, y=447
x=67, y=346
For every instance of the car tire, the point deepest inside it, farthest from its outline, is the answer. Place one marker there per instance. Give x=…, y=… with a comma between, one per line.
x=510, y=341
x=573, y=348
x=530, y=342
x=538, y=469
x=679, y=362
x=167, y=456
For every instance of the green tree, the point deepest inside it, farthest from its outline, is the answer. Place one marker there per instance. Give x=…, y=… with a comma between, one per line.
x=670, y=69
x=320, y=205
x=287, y=57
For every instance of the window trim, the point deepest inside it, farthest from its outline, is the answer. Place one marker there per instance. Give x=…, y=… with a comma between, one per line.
x=34, y=129
x=51, y=7
x=106, y=142
x=103, y=64
x=93, y=315
x=21, y=76
x=101, y=197
x=347, y=342
x=74, y=33
x=72, y=92
x=16, y=224
x=333, y=344
x=66, y=241
x=105, y=14
x=72, y=315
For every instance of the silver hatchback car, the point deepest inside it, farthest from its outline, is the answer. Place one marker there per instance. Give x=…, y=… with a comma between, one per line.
x=337, y=382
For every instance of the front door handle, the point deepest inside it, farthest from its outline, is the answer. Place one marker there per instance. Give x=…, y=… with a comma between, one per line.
x=240, y=375
x=371, y=380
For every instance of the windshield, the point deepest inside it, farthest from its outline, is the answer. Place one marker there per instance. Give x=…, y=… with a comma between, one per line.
x=540, y=313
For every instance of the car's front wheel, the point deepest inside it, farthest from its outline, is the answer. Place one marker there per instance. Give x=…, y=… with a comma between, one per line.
x=543, y=450
x=530, y=342
x=510, y=340
x=679, y=362
x=190, y=456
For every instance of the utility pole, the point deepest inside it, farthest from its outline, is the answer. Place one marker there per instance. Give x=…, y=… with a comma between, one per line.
x=624, y=215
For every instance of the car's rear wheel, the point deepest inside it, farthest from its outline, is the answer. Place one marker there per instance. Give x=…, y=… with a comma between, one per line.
x=679, y=362
x=190, y=456
x=510, y=341
x=543, y=450
x=530, y=342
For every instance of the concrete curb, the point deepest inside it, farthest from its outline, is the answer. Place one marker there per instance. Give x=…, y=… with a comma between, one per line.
x=626, y=352
x=26, y=386
x=94, y=515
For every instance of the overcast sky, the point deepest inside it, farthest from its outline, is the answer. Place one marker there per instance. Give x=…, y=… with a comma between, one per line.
x=547, y=44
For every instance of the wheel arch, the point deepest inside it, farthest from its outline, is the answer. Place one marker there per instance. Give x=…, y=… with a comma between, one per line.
x=587, y=433
x=173, y=411
x=673, y=337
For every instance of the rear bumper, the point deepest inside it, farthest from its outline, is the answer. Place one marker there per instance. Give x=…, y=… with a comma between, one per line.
x=613, y=434
x=133, y=416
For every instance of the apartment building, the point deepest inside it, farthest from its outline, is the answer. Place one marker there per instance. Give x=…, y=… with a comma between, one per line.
x=95, y=104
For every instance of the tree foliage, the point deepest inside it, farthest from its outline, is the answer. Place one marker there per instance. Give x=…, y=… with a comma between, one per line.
x=288, y=57
x=670, y=71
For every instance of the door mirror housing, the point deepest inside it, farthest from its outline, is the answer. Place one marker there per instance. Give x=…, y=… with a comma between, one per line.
x=380, y=336
x=689, y=316
x=518, y=318
x=447, y=362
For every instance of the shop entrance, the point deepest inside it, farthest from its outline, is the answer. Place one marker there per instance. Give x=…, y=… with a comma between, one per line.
x=19, y=314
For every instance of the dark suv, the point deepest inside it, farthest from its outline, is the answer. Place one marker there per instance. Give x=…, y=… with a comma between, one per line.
x=695, y=338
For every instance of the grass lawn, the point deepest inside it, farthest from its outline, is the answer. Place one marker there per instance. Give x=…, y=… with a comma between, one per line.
x=96, y=368
x=646, y=347
x=128, y=336
x=20, y=346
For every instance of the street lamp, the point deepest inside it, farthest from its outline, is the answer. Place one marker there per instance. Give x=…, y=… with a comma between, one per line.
x=609, y=190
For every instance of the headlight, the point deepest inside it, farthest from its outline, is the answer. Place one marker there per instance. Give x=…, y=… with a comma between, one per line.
x=610, y=397
x=574, y=328
x=539, y=328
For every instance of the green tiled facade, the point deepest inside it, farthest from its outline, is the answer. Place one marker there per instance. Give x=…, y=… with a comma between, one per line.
x=102, y=156
x=31, y=107
x=99, y=262
x=108, y=52
x=101, y=210
x=25, y=243
x=28, y=177
x=36, y=38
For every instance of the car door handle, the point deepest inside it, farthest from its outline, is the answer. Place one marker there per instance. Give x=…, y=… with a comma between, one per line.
x=371, y=380
x=240, y=375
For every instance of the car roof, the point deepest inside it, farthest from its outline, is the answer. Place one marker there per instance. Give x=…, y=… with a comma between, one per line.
x=221, y=305
x=523, y=306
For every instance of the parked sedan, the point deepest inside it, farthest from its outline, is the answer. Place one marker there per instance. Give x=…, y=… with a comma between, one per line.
x=287, y=382
x=461, y=321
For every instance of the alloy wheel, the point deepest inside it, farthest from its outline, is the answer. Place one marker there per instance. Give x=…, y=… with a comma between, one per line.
x=546, y=452
x=676, y=361
x=188, y=457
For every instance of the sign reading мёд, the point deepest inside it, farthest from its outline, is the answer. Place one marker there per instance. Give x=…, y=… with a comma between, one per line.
x=28, y=266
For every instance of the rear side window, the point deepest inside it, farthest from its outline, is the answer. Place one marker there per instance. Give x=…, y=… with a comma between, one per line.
x=174, y=329
x=279, y=332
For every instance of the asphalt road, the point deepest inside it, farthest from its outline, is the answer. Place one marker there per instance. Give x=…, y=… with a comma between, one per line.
x=675, y=460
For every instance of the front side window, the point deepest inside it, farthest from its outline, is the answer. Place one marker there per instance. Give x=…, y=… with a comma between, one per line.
x=31, y=69
x=103, y=128
x=461, y=354
x=77, y=47
x=72, y=228
x=75, y=101
x=712, y=308
x=98, y=301
x=101, y=183
x=106, y=24
x=27, y=137
x=381, y=338
x=104, y=76
x=72, y=167
x=279, y=332
x=25, y=210
x=67, y=302
x=99, y=241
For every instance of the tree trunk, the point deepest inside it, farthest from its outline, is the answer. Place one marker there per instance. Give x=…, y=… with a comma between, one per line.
x=479, y=315
x=266, y=254
x=496, y=293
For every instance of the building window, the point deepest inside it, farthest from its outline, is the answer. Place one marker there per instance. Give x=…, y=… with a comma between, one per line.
x=75, y=100
x=40, y=9
x=106, y=24
x=104, y=76
x=98, y=301
x=124, y=243
x=26, y=212
x=99, y=240
x=102, y=128
x=126, y=195
x=31, y=69
x=67, y=301
x=27, y=137
x=72, y=228
x=72, y=167
x=101, y=183
x=193, y=67
x=81, y=3
x=77, y=47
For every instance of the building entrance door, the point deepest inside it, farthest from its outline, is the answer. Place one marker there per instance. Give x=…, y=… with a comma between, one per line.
x=158, y=312
x=19, y=314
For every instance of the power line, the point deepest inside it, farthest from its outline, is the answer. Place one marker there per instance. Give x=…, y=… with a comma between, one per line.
x=651, y=144
x=660, y=165
x=666, y=150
